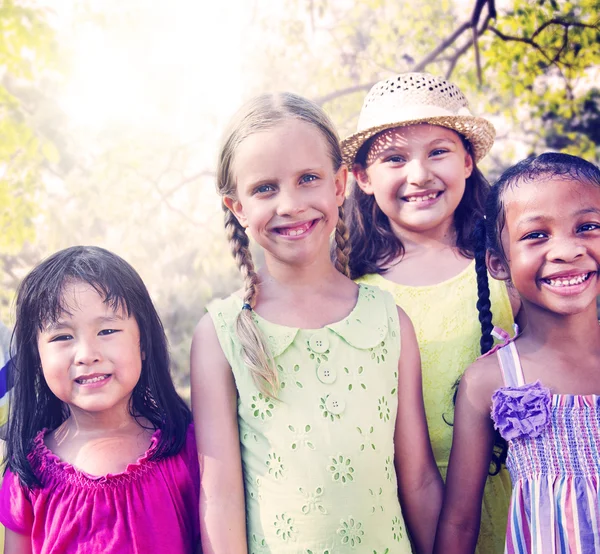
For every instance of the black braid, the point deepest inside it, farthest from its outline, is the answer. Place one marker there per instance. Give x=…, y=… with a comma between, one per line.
x=483, y=290
x=486, y=342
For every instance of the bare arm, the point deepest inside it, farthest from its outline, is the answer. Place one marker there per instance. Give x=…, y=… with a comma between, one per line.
x=419, y=482
x=470, y=457
x=15, y=543
x=214, y=404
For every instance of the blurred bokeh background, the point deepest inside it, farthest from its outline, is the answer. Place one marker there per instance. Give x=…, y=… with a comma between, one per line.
x=111, y=112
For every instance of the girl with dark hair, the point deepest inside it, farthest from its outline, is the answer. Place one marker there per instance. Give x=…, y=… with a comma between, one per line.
x=542, y=389
x=413, y=208
x=100, y=450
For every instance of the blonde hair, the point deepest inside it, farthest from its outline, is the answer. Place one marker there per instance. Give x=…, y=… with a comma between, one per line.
x=261, y=114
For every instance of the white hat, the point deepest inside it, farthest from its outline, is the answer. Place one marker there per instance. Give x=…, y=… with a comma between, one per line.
x=414, y=98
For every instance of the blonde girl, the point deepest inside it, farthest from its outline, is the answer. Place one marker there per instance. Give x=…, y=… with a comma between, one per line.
x=417, y=197
x=306, y=388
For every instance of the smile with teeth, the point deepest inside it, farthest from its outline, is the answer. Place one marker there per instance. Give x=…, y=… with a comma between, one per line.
x=83, y=380
x=568, y=282
x=295, y=231
x=424, y=198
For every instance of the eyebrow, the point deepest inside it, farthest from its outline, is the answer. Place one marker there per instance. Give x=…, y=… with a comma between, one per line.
x=543, y=218
x=61, y=324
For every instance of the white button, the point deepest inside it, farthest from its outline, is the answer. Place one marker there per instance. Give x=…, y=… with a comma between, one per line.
x=319, y=342
x=335, y=404
x=326, y=374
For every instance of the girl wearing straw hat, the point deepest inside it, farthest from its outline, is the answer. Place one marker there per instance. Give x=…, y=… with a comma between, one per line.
x=417, y=197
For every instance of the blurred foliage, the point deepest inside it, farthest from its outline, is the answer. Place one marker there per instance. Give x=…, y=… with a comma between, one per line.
x=149, y=196
x=27, y=50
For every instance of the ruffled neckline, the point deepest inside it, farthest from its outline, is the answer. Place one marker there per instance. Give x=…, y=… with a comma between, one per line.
x=50, y=463
x=366, y=326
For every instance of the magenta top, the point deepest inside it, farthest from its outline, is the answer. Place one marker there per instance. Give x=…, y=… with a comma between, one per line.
x=151, y=507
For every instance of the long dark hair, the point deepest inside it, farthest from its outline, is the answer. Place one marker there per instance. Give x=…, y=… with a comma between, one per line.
x=40, y=300
x=373, y=245
x=489, y=230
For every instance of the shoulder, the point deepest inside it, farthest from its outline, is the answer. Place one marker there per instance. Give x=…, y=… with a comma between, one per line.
x=480, y=380
x=206, y=341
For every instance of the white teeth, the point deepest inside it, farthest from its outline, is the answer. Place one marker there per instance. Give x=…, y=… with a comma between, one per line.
x=93, y=379
x=422, y=198
x=295, y=232
x=567, y=282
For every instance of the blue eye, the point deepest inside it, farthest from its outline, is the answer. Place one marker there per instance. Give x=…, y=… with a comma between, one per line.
x=308, y=178
x=395, y=159
x=262, y=189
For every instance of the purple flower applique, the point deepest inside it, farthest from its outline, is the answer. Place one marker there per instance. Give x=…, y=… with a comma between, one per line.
x=521, y=411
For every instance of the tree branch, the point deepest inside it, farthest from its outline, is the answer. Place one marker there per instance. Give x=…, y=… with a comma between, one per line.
x=342, y=92
x=441, y=47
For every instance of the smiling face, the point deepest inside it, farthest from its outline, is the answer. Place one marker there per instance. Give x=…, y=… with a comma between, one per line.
x=418, y=177
x=288, y=192
x=90, y=356
x=551, y=243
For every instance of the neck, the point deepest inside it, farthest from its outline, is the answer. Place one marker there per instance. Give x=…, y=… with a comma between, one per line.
x=442, y=237
x=578, y=332
x=107, y=421
x=312, y=275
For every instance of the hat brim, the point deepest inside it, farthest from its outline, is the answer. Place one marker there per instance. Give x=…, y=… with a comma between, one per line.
x=478, y=131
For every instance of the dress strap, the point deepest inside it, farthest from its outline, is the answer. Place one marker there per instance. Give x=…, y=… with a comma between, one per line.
x=512, y=372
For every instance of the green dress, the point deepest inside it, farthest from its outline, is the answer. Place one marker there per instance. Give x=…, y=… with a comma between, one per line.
x=318, y=461
x=446, y=323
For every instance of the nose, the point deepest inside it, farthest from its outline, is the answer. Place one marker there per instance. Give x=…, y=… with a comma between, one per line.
x=87, y=352
x=565, y=250
x=417, y=172
x=290, y=201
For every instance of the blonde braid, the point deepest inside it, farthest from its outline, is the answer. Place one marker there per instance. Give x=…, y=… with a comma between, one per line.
x=255, y=352
x=342, y=244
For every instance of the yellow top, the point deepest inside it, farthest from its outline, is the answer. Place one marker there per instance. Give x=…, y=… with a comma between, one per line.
x=446, y=322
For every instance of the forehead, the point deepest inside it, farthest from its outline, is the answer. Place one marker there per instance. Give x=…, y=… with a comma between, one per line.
x=414, y=133
x=292, y=145
x=411, y=137
x=550, y=197
x=77, y=297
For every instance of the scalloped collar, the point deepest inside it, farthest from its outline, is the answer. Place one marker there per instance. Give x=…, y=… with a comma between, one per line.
x=364, y=327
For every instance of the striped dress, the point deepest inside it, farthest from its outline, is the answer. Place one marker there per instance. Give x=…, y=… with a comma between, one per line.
x=554, y=463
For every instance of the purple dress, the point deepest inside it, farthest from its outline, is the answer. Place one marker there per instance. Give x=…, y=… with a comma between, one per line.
x=554, y=462
x=152, y=507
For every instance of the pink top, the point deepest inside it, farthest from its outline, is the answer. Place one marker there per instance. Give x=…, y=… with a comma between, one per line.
x=151, y=507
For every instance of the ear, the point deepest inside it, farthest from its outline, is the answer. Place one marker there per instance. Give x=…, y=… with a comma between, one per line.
x=497, y=267
x=236, y=208
x=468, y=165
x=143, y=356
x=341, y=180
x=362, y=179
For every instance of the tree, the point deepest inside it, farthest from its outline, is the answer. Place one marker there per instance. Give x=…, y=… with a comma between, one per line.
x=27, y=50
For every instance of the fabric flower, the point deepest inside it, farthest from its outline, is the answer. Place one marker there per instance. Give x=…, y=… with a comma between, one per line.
x=521, y=411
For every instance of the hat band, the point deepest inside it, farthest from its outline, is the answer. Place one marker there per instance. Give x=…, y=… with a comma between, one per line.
x=384, y=115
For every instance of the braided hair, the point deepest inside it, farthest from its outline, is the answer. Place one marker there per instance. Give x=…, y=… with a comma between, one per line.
x=261, y=114
x=489, y=230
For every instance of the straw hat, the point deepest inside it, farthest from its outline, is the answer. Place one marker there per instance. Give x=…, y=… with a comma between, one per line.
x=413, y=98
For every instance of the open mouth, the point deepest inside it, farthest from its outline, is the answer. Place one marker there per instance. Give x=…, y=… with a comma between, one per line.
x=422, y=197
x=560, y=282
x=296, y=230
x=89, y=379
